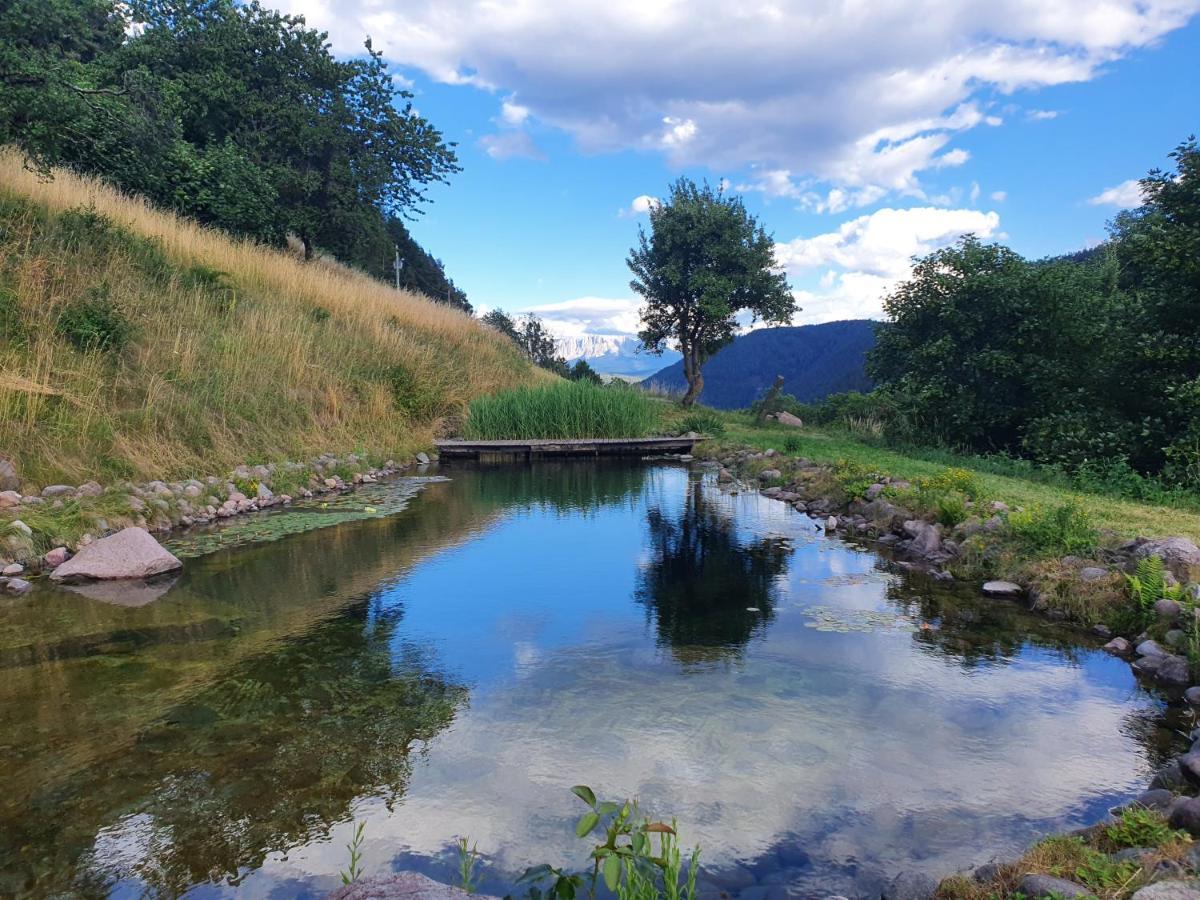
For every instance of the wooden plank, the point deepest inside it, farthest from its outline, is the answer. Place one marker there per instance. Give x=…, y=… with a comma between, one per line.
x=539, y=449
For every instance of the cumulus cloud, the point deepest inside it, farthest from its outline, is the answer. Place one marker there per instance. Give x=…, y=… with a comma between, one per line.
x=849, y=96
x=640, y=205
x=590, y=315
x=853, y=268
x=1126, y=195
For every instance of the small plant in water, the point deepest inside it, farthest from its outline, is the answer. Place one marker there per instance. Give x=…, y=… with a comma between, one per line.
x=468, y=855
x=625, y=858
x=354, y=848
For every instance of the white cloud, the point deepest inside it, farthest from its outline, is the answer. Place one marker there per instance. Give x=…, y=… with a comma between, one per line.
x=847, y=95
x=864, y=258
x=999, y=196
x=640, y=205
x=974, y=191
x=590, y=315
x=1041, y=115
x=513, y=113
x=510, y=144
x=1126, y=195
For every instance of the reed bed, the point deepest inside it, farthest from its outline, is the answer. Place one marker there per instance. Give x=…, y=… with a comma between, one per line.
x=562, y=411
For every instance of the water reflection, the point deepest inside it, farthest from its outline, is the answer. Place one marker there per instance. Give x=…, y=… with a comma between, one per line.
x=708, y=589
x=453, y=669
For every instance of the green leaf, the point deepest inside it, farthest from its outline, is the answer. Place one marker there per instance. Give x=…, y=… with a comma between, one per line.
x=612, y=872
x=607, y=808
x=534, y=873
x=584, y=793
x=586, y=824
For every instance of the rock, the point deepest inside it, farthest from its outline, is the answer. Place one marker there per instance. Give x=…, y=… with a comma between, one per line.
x=875, y=490
x=57, y=490
x=21, y=528
x=1092, y=573
x=724, y=476
x=1169, y=777
x=926, y=539
x=1150, y=648
x=264, y=492
x=1189, y=766
x=1167, y=610
x=1131, y=854
x=831, y=523
x=769, y=474
x=89, y=489
x=1175, y=638
x=192, y=491
x=1174, y=889
x=1117, y=645
x=1192, y=696
x=131, y=553
x=1102, y=631
x=9, y=499
x=1158, y=798
x=55, y=557
x=1036, y=886
x=1181, y=555
x=422, y=458
x=14, y=569
x=18, y=586
x=911, y=886
x=1001, y=589
x=1147, y=665
x=1186, y=815
x=401, y=886
x=1174, y=670
x=998, y=506
x=786, y=418
x=9, y=480
x=1192, y=858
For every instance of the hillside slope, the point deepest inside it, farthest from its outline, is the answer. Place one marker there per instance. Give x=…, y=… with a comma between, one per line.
x=815, y=361
x=137, y=344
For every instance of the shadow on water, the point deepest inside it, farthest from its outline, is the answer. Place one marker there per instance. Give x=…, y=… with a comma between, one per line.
x=455, y=666
x=708, y=589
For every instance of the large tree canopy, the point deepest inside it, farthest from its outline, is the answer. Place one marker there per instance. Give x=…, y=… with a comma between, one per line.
x=705, y=260
x=231, y=113
x=1087, y=360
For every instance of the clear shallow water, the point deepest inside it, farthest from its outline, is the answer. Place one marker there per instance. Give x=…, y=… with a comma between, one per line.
x=815, y=720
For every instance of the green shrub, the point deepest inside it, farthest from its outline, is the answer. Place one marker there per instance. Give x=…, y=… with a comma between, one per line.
x=95, y=323
x=1059, y=531
x=562, y=411
x=703, y=421
x=793, y=443
x=853, y=478
x=1139, y=827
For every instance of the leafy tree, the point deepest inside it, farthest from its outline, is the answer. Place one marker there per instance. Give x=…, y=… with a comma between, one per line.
x=582, y=371
x=530, y=334
x=705, y=260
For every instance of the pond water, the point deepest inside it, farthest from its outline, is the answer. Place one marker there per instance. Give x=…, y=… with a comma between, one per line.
x=453, y=662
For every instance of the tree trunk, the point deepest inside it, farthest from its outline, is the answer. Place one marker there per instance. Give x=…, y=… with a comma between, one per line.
x=695, y=377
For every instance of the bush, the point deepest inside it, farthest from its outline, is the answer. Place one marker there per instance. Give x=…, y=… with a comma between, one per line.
x=562, y=411
x=1061, y=531
x=95, y=323
x=853, y=478
x=703, y=421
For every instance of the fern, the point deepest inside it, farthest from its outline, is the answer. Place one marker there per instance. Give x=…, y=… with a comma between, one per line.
x=1147, y=585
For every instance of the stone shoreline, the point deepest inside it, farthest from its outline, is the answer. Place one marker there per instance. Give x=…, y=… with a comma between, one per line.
x=162, y=507
x=928, y=547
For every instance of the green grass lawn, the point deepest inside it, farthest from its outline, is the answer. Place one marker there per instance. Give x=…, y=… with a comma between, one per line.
x=1124, y=517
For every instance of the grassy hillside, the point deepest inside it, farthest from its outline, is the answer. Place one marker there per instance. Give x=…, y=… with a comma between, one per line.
x=137, y=344
x=815, y=361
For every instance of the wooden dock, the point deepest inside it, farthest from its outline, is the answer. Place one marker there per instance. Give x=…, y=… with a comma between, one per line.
x=507, y=451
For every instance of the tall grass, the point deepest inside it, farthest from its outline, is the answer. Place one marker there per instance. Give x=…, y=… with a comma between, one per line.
x=235, y=352
x=569, y=409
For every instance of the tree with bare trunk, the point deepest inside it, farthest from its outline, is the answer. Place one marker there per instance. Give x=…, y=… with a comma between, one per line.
x=705, y=260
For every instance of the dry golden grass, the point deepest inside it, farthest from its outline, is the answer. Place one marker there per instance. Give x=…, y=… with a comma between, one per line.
x=239, y=352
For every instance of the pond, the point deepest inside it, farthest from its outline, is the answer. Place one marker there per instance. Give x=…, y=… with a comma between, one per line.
x=453, y=660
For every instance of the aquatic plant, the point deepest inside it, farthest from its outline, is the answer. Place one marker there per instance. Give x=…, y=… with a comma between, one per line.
x=354, y=848
x=564, y=410
x=468, y=856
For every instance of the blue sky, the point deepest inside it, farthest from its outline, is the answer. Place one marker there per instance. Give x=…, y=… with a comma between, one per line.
x=859, y=136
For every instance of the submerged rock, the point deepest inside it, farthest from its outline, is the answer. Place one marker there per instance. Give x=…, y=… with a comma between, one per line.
x=131, y=553
x=911, y=886
x=406, y=885
x=18, y=586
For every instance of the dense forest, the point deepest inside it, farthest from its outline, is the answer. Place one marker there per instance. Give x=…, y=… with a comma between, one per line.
x=814, y=360
x=232, y=114
x=1085, y=361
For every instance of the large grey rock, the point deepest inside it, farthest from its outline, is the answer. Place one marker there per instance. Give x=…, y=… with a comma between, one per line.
x=1036, y=886
x=1169, y=776
x=131, y=553
x=1174, y=670
x=911, y=886
x=18, y=586
x=1167, y=610
x=1117, y=645
x=401, y=886
x=9, y=480
x=1189, y=765
x=1150, y=648
x=926, y=539
x=1192, y=695
x=1001, y=589
x=57, y=490
x=1092, y=573
x=1181, y=555
x=1175, y=889
x=422, y=459
x=1186, y=815
x=786, y=418
x=9, y=499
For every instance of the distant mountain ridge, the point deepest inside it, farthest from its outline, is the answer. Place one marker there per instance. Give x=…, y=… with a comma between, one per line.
x=612, y=354
x=814, y=360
